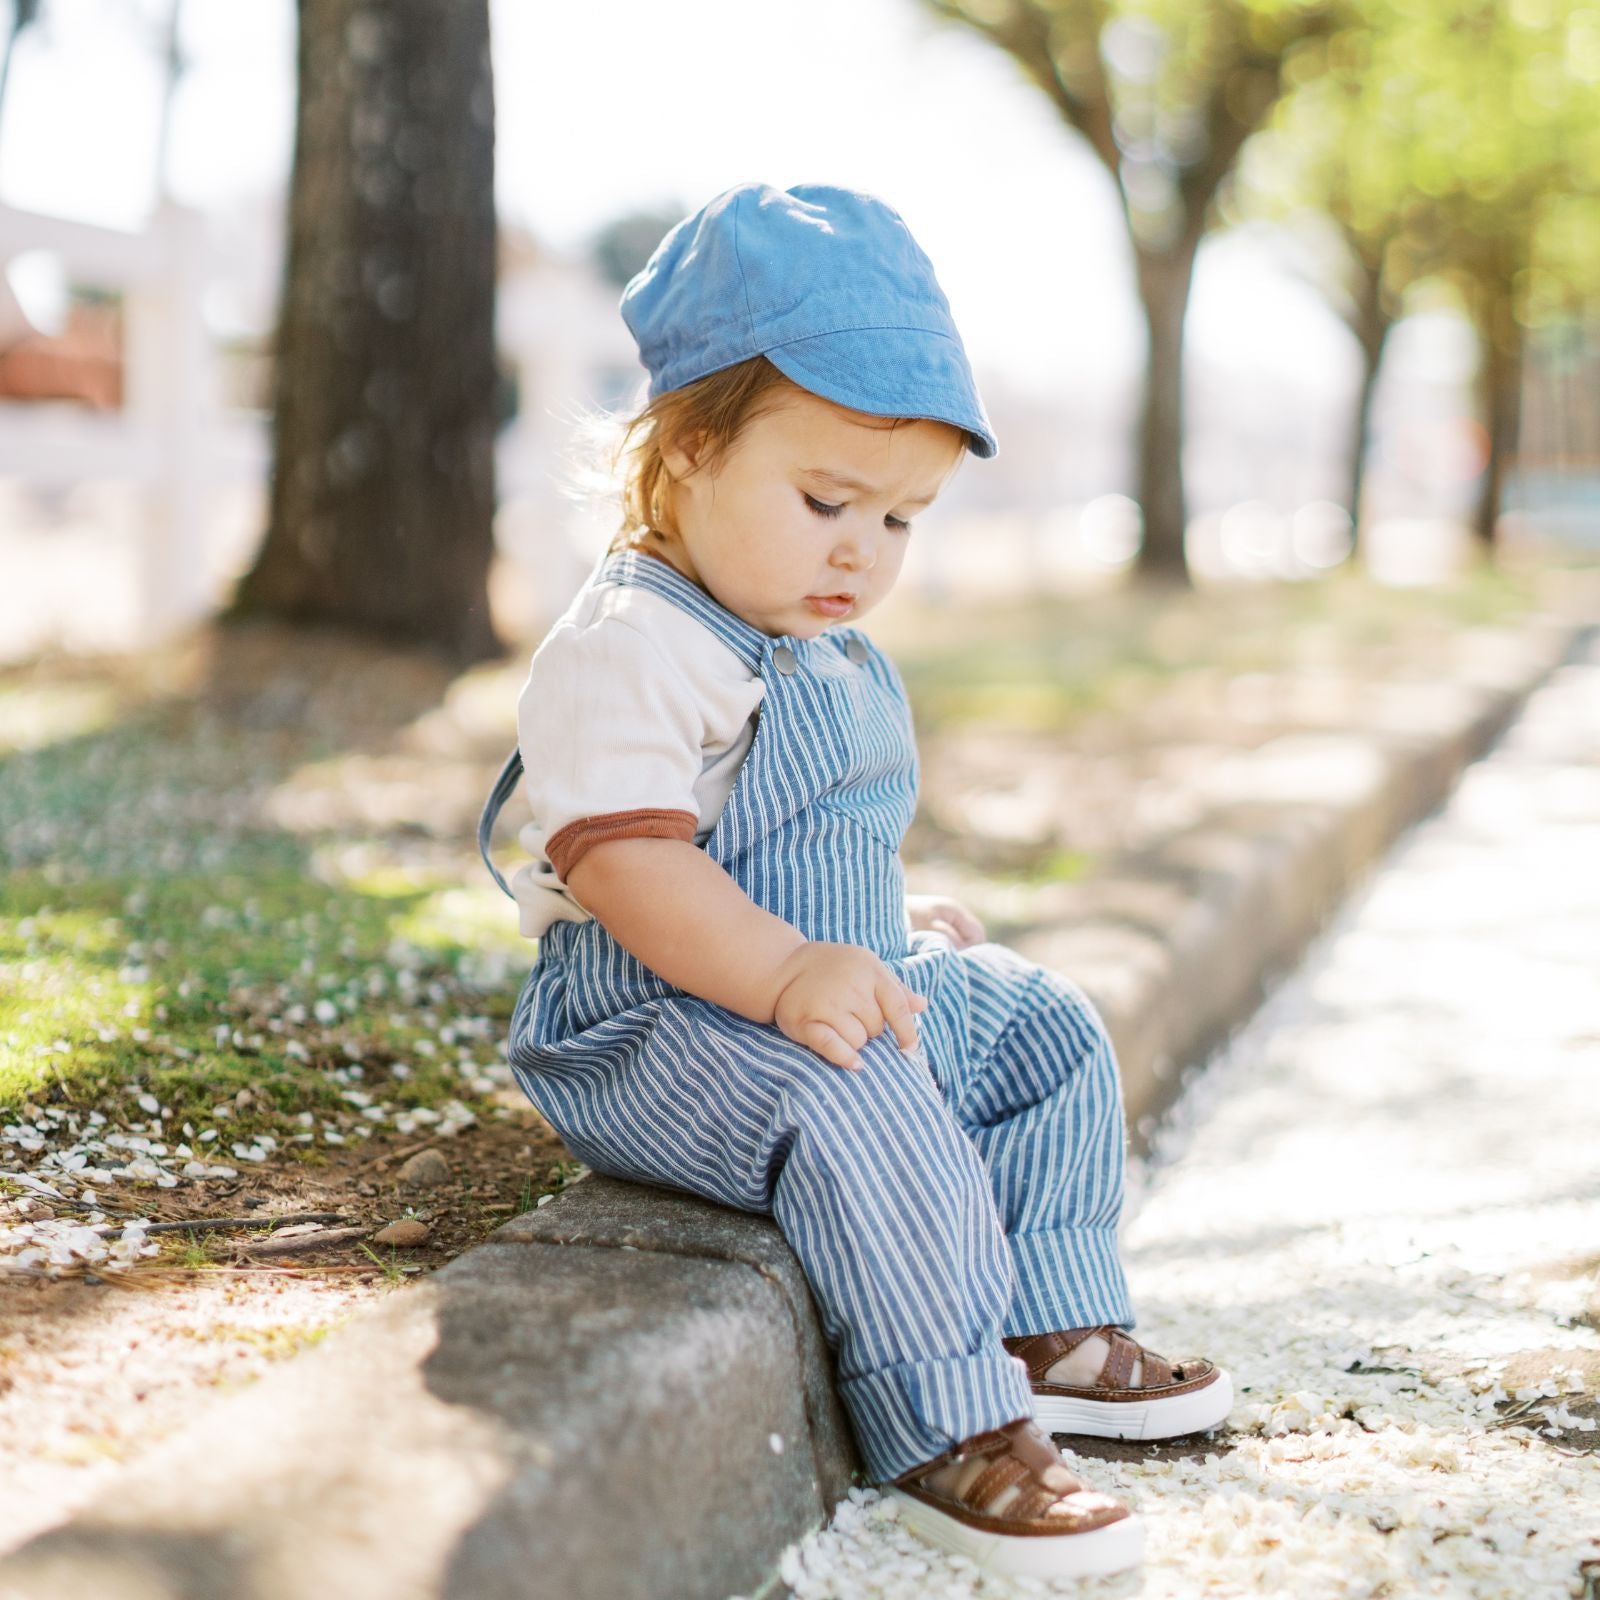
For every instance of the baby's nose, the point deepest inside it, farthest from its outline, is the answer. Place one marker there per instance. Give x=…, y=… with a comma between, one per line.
x=858, y=554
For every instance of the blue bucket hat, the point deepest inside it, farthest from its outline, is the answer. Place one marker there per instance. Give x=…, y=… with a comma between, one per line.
x=827, y=284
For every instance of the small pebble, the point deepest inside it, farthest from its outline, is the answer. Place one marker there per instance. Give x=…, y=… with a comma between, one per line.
x=425, y=1170
x=403, y=1233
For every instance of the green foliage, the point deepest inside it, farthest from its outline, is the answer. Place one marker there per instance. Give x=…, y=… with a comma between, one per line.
x=1457, y=140
x=1164, y=91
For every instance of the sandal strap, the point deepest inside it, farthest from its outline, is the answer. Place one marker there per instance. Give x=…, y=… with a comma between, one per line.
x=1038, y=1352
x=1119, y=1362
x=1005, y=1473
x=1032, y=1503
x=1158, y=1372
x=980, y=1444
x=1020, y=1454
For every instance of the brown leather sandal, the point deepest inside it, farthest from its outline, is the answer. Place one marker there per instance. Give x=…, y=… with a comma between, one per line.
x=1019, y=1511
x=1172, y=1398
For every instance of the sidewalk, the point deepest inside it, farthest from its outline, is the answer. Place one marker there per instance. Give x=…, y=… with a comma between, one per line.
x=1380, y=1209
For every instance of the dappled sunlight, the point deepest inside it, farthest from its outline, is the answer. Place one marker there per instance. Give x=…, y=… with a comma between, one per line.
x=70, y=986
x=32, y=716
x=193, y=985
x=409, y=806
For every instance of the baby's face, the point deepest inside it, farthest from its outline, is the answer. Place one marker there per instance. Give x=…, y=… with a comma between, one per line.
x=805, y=521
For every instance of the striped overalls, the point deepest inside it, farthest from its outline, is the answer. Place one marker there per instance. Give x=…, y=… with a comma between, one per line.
x=936, y=1200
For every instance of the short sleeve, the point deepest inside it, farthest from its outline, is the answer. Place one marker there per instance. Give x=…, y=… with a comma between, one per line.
x=611, y=736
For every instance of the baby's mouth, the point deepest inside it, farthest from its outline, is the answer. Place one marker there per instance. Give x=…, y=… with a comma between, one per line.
x=831, y=605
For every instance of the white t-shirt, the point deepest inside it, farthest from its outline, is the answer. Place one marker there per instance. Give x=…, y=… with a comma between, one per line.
x=635, y=720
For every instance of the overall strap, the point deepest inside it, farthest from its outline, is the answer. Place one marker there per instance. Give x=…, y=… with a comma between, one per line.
x=647, y=572
x=650, y=572
x=504, y=787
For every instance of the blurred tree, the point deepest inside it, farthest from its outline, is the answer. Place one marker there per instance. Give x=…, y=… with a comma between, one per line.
x=383, y=478
x=1166, y=92
x=1515, y=140
x=173, y=66
x=1446, y=142
x=624, y=244
x=1340, y=142
x=23, y=12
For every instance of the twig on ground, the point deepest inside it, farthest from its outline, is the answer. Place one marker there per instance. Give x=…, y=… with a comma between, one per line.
x=211, y=1224
x=167, y=1272
x=300, y=1242
x=397, y=1155
x=1517, y=1413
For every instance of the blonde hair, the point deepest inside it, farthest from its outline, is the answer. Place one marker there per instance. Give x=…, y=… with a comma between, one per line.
x=624, y=461
x=708, y=414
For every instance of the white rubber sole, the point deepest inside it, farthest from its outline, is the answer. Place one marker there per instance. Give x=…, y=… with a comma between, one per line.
x=1137, y=1419
x=1113, y=1548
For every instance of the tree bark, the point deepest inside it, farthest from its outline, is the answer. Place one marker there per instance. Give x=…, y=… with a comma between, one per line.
x=1164, y=284
x=1500, y=385
x=382, y=499
x=1370, y=324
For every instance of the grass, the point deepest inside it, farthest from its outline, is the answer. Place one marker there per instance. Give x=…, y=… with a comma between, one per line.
x=190, y=990
x=1052, y=866
x=276, y=1341
x=393, y=1272
x=1046, y=664
x=170, y=943
x=193, y=1252
x=241, y=897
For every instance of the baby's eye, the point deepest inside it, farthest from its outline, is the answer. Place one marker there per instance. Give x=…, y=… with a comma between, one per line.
x=821, y=507
x=898, y=524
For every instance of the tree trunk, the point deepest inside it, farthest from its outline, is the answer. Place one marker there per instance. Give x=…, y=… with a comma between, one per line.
x=1370, y=325
x=1501, y=389
x=23, y=12
x=1164, y=283
x=383, y=478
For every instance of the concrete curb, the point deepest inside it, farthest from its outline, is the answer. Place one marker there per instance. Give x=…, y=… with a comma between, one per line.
x=1178, y=944
x=672, y=1424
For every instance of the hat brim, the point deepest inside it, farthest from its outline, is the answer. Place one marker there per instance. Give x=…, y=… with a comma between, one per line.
x=891, y=372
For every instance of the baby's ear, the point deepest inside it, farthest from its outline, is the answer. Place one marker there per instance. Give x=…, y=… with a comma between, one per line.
x=682, y=453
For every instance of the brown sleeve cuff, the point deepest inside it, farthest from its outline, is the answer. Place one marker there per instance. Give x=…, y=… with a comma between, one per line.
x=567, y=846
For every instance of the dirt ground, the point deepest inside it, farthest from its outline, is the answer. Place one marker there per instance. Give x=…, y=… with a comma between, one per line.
x=98, y=1368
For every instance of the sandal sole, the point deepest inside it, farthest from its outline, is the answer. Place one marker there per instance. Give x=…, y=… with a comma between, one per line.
x=1113, y=1548
x=1137, y=1419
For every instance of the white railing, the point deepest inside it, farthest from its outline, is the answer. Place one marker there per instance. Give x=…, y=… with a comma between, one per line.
x=171, y=440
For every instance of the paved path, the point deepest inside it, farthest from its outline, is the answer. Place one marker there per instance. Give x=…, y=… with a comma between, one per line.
x=1381, y=1210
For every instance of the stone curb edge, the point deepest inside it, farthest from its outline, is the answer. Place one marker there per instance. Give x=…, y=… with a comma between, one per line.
x=1178, y=944
x=676, y=1426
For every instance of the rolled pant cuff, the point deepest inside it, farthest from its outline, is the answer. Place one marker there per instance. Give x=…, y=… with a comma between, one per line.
x=1067, y=1278
x=910, y=1413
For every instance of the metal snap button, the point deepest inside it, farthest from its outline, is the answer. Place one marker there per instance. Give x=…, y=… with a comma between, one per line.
x=856, y=650
x=784, y=659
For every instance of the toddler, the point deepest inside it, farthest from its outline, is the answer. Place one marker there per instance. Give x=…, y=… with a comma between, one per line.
x=734, y=995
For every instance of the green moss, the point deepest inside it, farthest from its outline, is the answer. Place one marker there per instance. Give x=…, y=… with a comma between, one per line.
x=161, y=934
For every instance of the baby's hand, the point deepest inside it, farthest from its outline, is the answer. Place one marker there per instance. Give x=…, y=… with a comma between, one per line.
x=834, y=997
x=944, y=916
